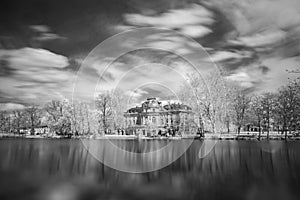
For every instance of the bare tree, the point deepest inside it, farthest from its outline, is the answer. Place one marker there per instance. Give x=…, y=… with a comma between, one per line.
x=241, y=104
x=54, y=109
x=33, y=116
x=104, y=108
x=257, y=110
x=118, y=104
x=73, y=118
x=87, y=117
x=268, y=105
x=5, y=120
x=207, y=96
x=287, y=107
x=59, y=117
x=17, y=120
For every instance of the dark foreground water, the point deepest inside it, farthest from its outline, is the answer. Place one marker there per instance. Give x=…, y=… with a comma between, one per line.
x=64, y=170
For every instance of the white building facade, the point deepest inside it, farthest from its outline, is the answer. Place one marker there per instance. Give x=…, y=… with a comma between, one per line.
x=153, y=118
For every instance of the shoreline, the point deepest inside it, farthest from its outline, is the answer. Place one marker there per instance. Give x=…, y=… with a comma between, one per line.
x=133, y=137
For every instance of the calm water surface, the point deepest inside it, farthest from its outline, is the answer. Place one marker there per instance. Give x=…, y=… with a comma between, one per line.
x=50, y=169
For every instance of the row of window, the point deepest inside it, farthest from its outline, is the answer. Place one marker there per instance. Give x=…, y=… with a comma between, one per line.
x=154, y=120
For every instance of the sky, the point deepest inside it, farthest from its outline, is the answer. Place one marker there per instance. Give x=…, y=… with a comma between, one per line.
x=44, y=44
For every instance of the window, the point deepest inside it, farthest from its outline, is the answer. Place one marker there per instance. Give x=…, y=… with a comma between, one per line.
x=154, y=120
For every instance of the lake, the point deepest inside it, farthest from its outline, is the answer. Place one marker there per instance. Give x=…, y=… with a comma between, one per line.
x=63, y=169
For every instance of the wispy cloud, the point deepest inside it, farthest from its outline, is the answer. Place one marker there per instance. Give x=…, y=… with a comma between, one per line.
x=264, y=39
x=38, y=75
x=44, y=33
x=11, y=106
x=254, y=41
x=40, y=28
x=220, y=56
x=193, y=20
x=29, y=58
x=263, y=31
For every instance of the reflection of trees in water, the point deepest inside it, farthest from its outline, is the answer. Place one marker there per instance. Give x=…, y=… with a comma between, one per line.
x=140, y=146
x=227, y=157
x=232, y=168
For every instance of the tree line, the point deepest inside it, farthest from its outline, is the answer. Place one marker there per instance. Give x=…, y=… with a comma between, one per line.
x=225, y=107
x=221, y=106
x=64, y=117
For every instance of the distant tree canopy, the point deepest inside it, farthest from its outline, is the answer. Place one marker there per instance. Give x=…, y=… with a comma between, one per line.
x=222, y=106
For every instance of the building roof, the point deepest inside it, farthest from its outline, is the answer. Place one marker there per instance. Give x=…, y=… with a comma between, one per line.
x=153, y=102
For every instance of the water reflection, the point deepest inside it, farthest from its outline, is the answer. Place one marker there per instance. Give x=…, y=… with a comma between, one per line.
x=137, y=156
x=63, y=169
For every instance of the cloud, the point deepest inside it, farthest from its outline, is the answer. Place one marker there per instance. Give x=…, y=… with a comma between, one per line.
x=40, y=28
x=264, y=39
x=253, y=76
x=175, y=43
x=136, y=93
x=243, y=78
x=195, y=14
x=261, y=23
x=262, y=43
x=28, y=58
x=220, y=56
x=49, y=36
x=44, y=33
x=277, y=74
x=192, y=20
x=157, y=72
x=38, y=75
x=254, y=16
x=267, y=75
x=195, y=30
x=270, y=27
x=11, y=106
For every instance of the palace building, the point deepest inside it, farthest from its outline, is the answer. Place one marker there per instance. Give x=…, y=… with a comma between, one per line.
x=154, y=117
